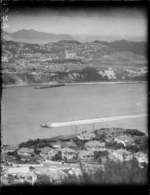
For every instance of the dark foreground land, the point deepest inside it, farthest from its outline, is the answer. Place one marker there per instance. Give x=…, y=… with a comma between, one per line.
x=104, y=156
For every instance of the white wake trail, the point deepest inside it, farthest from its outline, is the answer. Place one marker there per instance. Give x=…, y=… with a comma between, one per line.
x=87, y=121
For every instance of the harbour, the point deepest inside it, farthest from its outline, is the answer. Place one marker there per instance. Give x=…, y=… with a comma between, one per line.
x=24, y=109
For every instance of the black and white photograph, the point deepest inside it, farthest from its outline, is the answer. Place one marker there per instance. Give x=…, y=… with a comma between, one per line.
x=74, y=96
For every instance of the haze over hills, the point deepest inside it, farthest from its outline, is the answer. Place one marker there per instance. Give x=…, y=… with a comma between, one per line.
x=108, y=38
x=33, y=36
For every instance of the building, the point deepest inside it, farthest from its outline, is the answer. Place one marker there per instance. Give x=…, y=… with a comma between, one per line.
x=84, y=154
x=110, y=74
x=67, y=153
x=86, y=136
x=56, y=175
x=45, y=150
x=25, y=151
x=56, y=145
x=94, y=145
x=26, y=158
x=4, y=59
x=47, y=153
x=102, y=73
x=70, y=55
x=120, y=155
x=51, y=154
x=141, y=157
x=124, y=139
x=16, y=170
x=69, y=144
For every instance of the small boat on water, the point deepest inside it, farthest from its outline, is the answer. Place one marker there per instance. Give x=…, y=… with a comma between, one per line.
x=45, y=125
x=49, y=85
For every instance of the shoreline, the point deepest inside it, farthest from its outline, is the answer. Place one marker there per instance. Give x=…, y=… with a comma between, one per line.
x=77, y=83
x=106, y=82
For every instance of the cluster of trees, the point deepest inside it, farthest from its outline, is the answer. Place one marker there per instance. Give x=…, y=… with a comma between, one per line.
x=37, y=143
x=126, y=172
x=57, y=157
x=91, y=74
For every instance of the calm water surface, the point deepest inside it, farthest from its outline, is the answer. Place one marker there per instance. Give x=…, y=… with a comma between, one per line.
x=25, y=108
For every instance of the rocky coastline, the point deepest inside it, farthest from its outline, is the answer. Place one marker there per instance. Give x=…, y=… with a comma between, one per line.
x=76, y=83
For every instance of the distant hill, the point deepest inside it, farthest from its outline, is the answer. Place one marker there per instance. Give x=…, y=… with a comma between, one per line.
x=7, y=36
x=134, y=47
x=70, y=41
x=97, y=55
x=32, y=36
x=123, y=50
x=108, y=38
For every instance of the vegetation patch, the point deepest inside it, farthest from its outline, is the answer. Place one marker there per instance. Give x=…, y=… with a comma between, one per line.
x=125, y=173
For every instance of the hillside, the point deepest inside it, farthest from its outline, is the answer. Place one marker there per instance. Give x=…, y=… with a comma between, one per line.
x=72, y=61
x=6, y=36
x=134, y=47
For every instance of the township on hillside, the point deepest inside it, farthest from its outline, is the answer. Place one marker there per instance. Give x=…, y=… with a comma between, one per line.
x=72, y=61
x=60, y=156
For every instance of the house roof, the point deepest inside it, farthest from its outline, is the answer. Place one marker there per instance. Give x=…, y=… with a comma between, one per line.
x=141, y=155
x=86, y=135
x=95, y=143
x=121, y=151
x=26, y=157
x=45, y=150
x=85, y=152
x=18, y=170
x=10, y=157
x=36, y=157
x=25, y=150
x=11, y=147
x=56, y=144
x=124, y=138
x=52, y=151
x=69, y=144
x=66, y=150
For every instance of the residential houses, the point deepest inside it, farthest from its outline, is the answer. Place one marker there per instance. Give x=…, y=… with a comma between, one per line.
x=67, y=153
x=86, y=136
x=120, y=155
x=141, y=157
x=110, y=74
x=95, y=145
x=85, y=154
x=25, y=151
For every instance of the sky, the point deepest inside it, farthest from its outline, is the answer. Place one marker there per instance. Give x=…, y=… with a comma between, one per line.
x=107, y=22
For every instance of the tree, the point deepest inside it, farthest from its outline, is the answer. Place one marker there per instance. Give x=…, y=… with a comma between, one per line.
x=57, y=157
